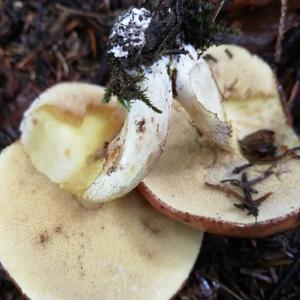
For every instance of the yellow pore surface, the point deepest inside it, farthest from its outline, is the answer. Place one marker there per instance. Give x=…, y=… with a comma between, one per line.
x=70, y=149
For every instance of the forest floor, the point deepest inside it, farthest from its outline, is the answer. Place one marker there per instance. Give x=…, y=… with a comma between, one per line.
x=45, y=42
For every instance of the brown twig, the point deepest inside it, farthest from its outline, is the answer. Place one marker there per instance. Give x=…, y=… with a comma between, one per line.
x=261, y=199
x=281, y=31
x=286, y=153
x=257, y=202
x=238, y=183
x=217, y=11
x=285, y=278
x=226, y=190
x=239, y=169
x=253, y=210
x=260, y=178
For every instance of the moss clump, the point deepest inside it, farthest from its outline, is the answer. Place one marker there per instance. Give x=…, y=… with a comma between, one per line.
x=172, y=24
x=126, y=88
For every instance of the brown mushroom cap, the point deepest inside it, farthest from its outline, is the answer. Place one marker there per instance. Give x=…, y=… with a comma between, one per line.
x=56, y=249
x=176, y=186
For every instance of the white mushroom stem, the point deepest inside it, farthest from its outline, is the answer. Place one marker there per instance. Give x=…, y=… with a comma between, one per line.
x=198, y=93
x=141, y=141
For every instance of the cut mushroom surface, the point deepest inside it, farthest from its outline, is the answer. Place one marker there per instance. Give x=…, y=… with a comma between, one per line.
x=65, y=133
x=56, y=249
x=176, y=186
x=94, y=150
x=251, y=99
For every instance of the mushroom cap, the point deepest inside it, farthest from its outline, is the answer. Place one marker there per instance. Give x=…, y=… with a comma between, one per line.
x=54, y=248
x=176, y=186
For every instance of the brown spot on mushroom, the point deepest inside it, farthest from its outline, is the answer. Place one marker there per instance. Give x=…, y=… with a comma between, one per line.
x=148, y=253
x=157, y=128
x=174, y=79
x=101, y=153
x=67, y=152
x=58, y=229
x=111, y=157
x=112, y=154
x=228, y=53
x=210, y=57
x=152, y=225
x=44, y=238
x=231, y=87
x=140, y=126
x=35, y=121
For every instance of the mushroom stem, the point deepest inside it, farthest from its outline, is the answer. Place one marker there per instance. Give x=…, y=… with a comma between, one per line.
x=141, y=140
x=198, y=93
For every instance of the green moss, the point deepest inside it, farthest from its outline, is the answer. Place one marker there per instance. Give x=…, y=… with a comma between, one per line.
x=126, y=88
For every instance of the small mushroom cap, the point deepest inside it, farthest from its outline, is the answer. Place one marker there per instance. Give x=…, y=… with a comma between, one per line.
x=176, y=186
x=56, y=249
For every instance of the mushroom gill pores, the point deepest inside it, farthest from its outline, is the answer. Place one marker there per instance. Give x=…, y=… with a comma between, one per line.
x=250, y=102
x=54, y=248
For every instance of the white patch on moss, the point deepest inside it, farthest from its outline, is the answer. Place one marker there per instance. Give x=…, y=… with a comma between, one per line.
x=130, y=29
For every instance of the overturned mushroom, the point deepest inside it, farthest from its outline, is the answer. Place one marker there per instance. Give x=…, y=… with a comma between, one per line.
x=56, y=249
x=190, y=182
x=92, y=149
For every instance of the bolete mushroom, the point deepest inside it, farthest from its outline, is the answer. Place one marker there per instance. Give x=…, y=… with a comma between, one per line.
x=54, y=248
x=197, y=181
x=94, y=150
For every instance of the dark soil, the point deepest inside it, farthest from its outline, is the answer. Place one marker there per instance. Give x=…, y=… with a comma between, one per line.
x=44, y=42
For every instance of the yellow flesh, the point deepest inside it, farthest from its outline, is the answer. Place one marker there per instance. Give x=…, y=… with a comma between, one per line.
x=249, y=115
x=68, y=149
